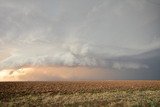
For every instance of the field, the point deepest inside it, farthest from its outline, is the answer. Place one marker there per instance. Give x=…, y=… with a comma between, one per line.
x=81, y=94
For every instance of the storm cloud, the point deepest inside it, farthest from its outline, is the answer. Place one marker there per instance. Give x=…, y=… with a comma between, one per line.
x=119, y=36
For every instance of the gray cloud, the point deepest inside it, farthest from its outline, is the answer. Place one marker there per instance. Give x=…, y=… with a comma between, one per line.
x=108, y=33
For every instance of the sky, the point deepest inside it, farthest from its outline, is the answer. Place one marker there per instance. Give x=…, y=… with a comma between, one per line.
x=79, y=40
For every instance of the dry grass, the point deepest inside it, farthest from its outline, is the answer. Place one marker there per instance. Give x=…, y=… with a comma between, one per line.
x=81, y=93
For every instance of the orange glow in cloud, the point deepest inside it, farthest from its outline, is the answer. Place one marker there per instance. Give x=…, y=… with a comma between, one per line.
x=53, y=73
x=12, y=74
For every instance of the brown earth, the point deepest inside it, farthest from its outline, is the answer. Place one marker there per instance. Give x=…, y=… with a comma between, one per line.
x=10, y=89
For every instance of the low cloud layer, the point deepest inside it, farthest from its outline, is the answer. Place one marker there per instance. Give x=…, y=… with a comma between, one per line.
x=119, y=36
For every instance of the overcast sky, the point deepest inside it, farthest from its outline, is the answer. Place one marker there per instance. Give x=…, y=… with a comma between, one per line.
x=79, y=39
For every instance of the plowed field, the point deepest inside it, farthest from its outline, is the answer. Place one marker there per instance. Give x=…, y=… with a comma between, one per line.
x=93, y=93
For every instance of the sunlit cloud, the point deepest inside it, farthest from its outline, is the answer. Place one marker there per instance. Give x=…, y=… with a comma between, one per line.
x=53, y=73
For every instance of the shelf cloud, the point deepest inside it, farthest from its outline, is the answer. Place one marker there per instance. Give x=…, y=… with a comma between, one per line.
x=119, y=36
